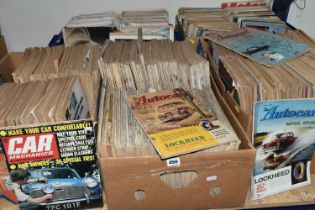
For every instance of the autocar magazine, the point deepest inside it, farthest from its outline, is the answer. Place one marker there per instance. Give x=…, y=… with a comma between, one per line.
x=177, y=123
x=283, y=135
x=53, y=167
x=263, y=47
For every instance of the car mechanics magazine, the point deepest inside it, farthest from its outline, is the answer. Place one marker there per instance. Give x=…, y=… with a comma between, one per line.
x=178, y=123
x=283, y=136
x=52, y=167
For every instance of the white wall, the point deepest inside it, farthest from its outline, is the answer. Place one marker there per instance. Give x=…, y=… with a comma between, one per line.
x=26, y=23
x=303, y=19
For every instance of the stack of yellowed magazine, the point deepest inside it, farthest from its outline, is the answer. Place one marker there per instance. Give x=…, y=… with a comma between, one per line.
x=245, y=81
x=50, y=101
x=133, y=68
x=161, y=65
x=151, y=21
x=121, y=135
x=41, y=64
x=87, y=28
x=211, y=21
x=203, y=21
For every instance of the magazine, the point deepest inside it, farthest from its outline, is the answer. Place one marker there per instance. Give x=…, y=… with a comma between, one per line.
x=242, y=4
x=283, y=136
x=177, y=123
x=52, y=166
x=264, y=25
x=263, y=47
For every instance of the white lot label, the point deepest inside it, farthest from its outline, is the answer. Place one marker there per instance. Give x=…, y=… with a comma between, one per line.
x=211, y=178
x=173, y=162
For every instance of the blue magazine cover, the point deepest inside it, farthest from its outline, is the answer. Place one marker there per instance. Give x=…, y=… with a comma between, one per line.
x=284, y=138
x=263, y=47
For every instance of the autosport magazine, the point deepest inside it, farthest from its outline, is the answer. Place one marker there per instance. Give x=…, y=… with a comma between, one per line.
x=284, y=136
x=178, y=123
x=53, y=167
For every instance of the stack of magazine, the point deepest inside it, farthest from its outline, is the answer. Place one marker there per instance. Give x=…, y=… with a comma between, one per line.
x=202, y=21
x=247, y=81
x=255, y=16
x=152, y=22
x=57, y=62
x=207, y=21
x=49, y=144
x=38, y=64
x=173, y=82
x=123, y=134
x=255, y=66
x=161, y=65
x=89, y=28
x=29, y=103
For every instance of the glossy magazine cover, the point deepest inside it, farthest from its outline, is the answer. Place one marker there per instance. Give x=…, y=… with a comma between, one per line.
x=52, y=167
x=263, y=47
x=284, y=137
x=177, y=122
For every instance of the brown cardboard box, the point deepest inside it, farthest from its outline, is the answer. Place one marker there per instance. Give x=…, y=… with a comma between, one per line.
x=222, y=179
x=218, y=89
x=3, y=47
x=231, y=172
x=8, y=64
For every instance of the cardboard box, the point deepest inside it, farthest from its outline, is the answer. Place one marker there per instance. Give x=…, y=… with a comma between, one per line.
x=3, y=47
x=218, y=89
x=8, y=64
x=222, y=179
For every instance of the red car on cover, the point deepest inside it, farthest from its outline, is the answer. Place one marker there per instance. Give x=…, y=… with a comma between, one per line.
x=279, y=143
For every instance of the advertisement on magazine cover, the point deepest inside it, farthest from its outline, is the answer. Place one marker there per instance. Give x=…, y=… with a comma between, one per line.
x=178, y=123
x=284, y=137
x=52, y=167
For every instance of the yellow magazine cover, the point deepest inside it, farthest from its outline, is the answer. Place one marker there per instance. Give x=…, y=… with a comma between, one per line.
x=178, y=123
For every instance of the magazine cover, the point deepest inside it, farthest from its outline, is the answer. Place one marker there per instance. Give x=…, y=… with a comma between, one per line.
x=177, y=123
x=238, y=4
x=284, y=137
x=264, y=25
x=263, y=47
x=52, y=167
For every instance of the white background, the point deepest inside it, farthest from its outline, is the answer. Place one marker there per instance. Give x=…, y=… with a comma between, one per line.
x=26, y=23
x=304, y=19
x=30, y=23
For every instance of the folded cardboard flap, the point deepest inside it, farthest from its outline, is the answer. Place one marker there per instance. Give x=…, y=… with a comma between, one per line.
x=3, y=47
x=219, y=83
x=246, y=120
x=135, y=183
x=9, y=63
x=245, y=143
x=313, y=164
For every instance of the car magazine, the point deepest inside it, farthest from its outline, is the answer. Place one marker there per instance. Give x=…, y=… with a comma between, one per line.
x=263, y=47
x=283, y=136
x=52, y=167
x=177, y=123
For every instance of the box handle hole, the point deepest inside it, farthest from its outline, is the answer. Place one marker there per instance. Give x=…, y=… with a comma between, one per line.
x=215, y=191
x=177, y=180
x=139, y=195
